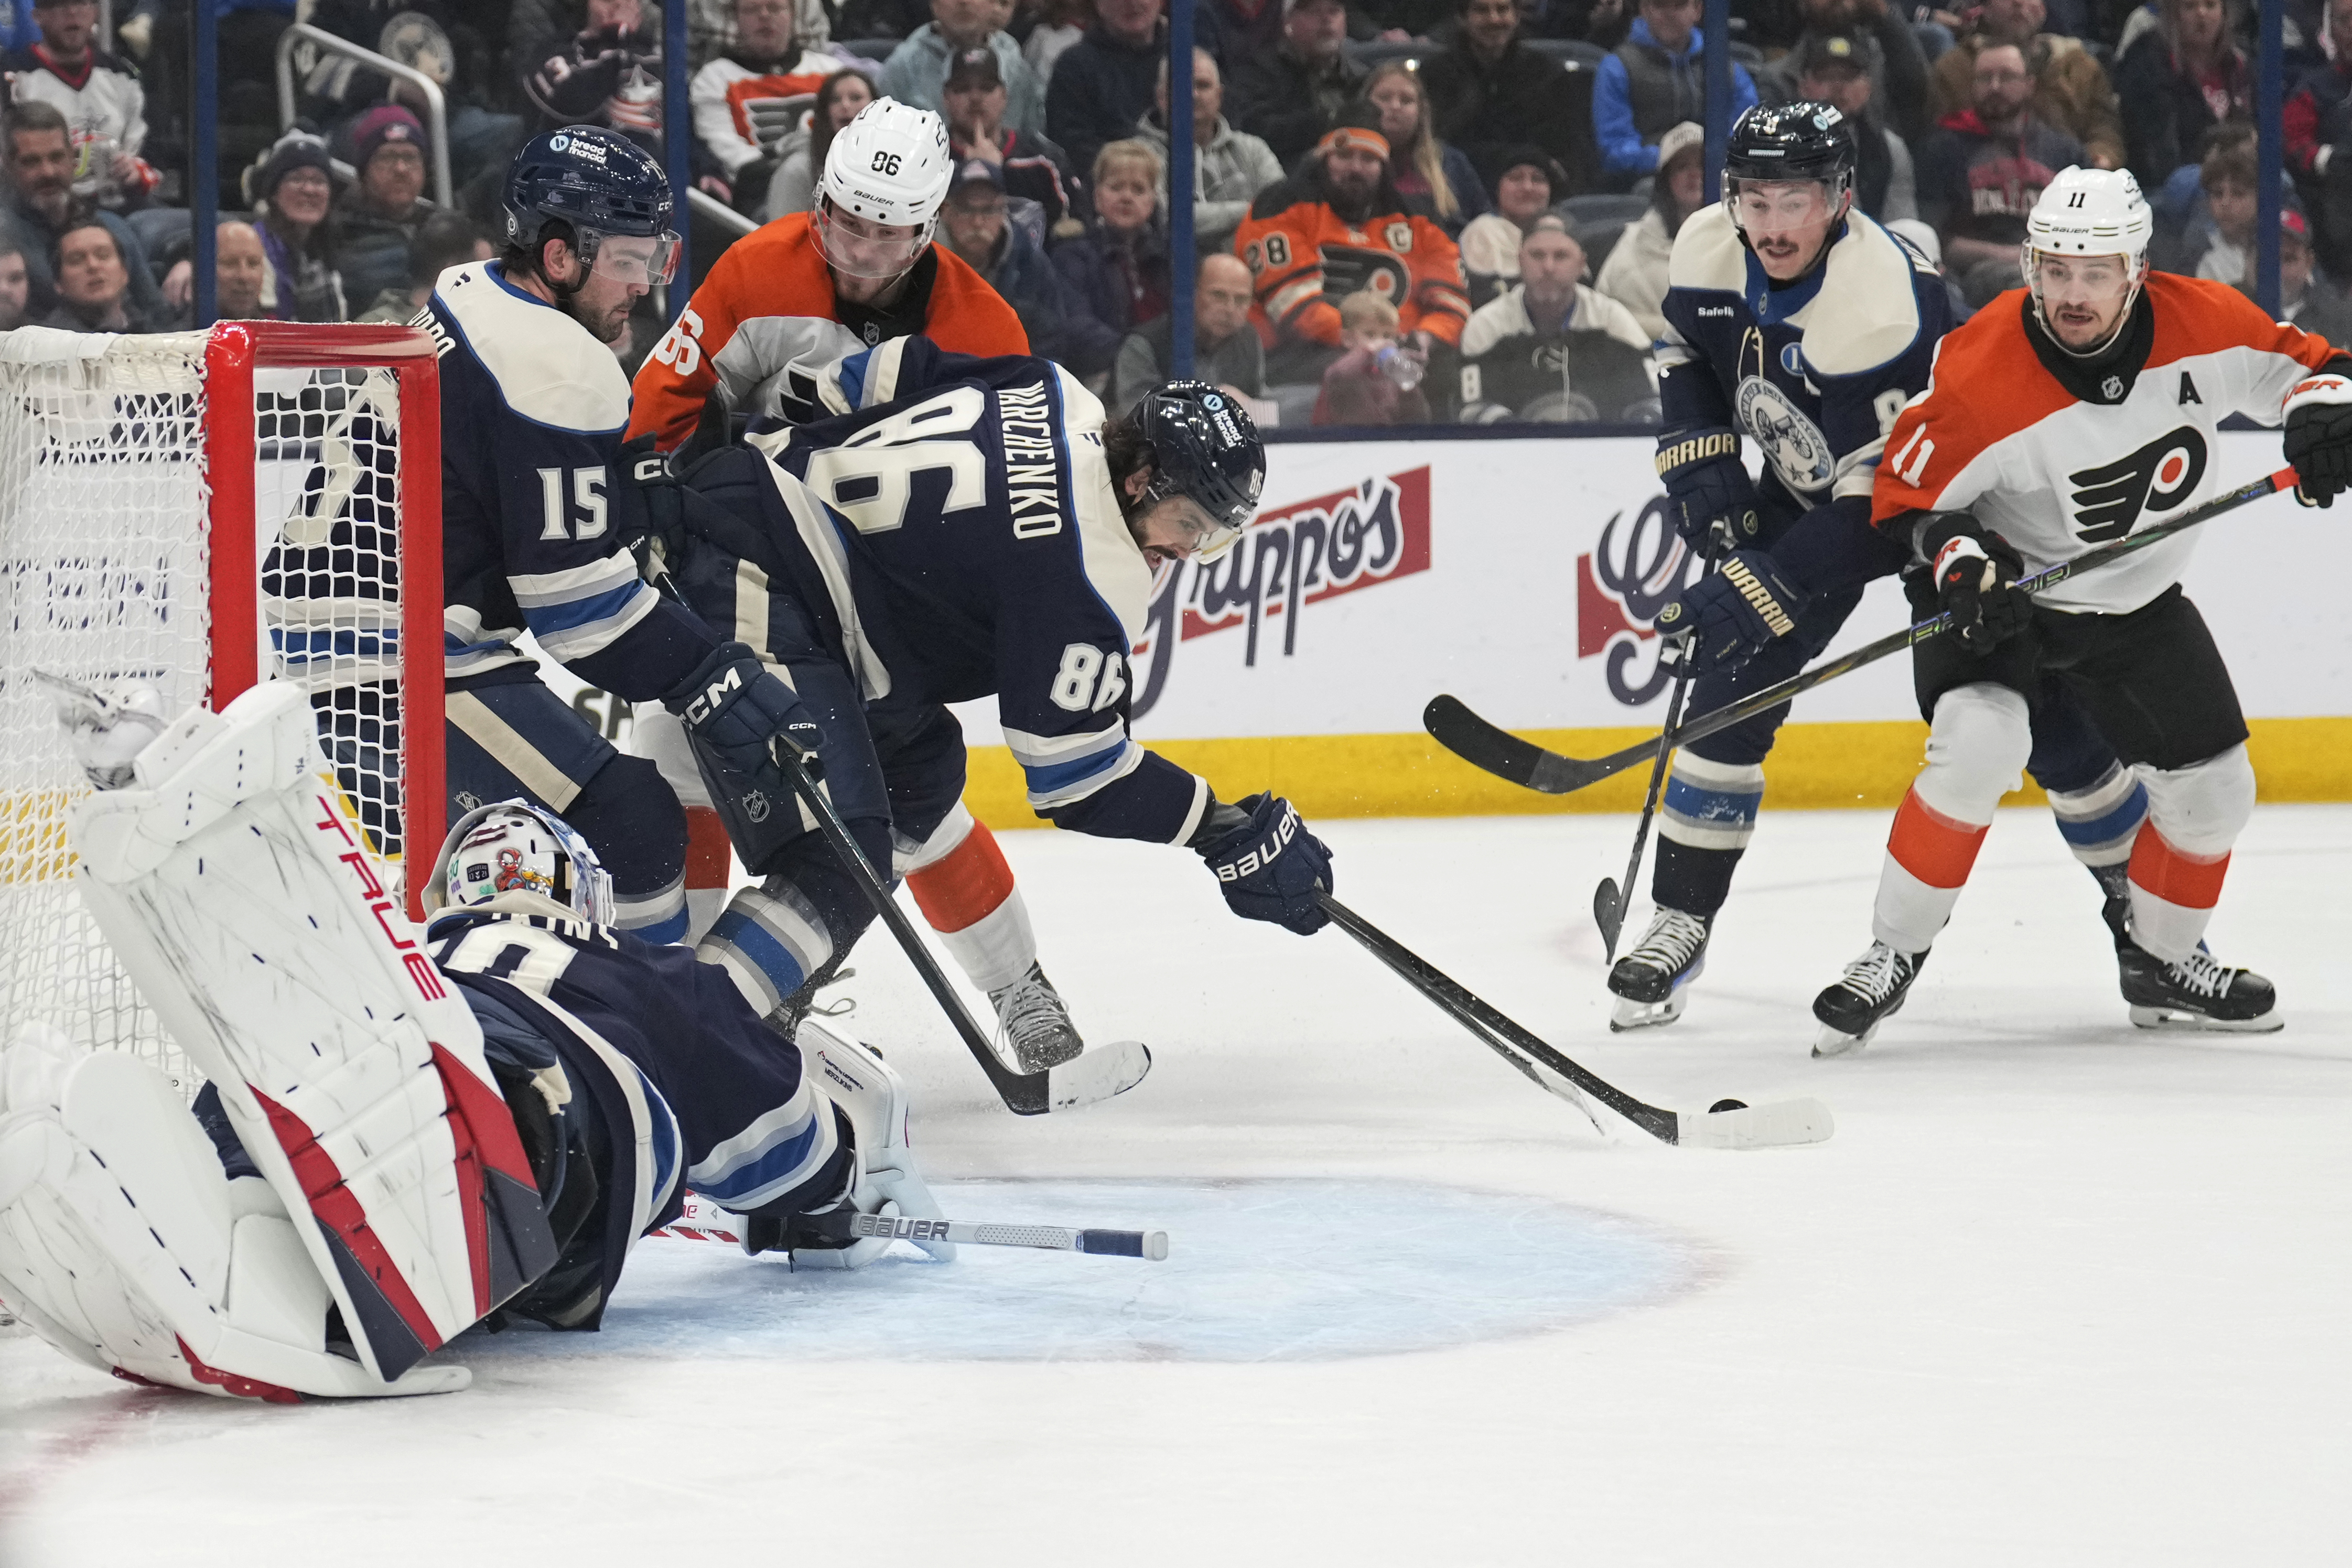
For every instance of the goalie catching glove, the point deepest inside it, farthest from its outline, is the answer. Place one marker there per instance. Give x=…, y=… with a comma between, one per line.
x=1268, y=865
x=2318, y=413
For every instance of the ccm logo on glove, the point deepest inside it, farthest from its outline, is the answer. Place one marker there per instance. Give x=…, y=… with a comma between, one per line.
x=699, y=709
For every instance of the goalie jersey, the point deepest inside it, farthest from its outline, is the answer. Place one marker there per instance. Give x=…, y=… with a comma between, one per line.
x=1814, y=372
x=953, y=528
x=2058, y=458
x=536, y=510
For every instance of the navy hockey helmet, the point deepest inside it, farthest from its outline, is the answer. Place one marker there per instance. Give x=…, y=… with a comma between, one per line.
x=1801, y=141
x=1205, y=447
x=604, y=185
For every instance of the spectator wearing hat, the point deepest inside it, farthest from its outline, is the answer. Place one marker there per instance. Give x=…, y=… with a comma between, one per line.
x=1833, y=68
x=293, y=194
x=1117, y=269
x=2307, y=299
x=1433, y=172
x=1551, y=338
x=374, y=220
x=1527, y=182
x=1490, y=92
x=93, y=283
x=40, y=163
x=1879, y=36
x=974, y=228
x=1039, y=179
x=1225, y=349
x=1102, y=84
x=443, y=240
x=2070, y=89
x=1290, y=95
x=1230, y=167
x=1337, y=229
x=747, y=100
x=100, y=97
x=918, y=68
x=1651, y=83
x=1636, y=273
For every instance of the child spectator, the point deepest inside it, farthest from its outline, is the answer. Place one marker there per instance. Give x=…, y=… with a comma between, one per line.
x=1117, y=270
x=1375, y=380
x=2230, y=179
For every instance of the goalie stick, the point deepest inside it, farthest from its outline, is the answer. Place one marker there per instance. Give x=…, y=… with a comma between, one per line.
x=1524, y=763
x=1733, y=1125
x=1151, y=1245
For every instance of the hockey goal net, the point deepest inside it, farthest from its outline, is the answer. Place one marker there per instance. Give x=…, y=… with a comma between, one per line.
x=196, y=512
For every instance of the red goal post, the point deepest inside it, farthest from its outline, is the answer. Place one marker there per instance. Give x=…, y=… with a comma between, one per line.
x=199, y=512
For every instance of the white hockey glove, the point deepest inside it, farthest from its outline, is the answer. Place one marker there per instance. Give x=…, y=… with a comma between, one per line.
x=2318, y=414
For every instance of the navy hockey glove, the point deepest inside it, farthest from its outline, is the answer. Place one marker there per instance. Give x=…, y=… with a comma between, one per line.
x=732, y=706
x=2319, y=438
x=1976, y=576
x=1705, y=481
x=1268, y=865
x=1727, y=617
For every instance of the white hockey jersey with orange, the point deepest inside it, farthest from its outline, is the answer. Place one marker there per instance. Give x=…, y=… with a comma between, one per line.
x=2058, y=470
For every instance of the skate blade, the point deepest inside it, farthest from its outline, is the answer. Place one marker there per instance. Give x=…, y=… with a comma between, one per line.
x=1831, y=1042
x=2180, y=1020
x=1628, y=1014
x=1098, y=1074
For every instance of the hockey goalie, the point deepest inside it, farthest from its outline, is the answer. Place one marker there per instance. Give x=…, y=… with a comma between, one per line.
x=405, y=1132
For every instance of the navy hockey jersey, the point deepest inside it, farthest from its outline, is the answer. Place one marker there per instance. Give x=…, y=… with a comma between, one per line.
x=1814, y=372
x=536, y=510
x=954, y=522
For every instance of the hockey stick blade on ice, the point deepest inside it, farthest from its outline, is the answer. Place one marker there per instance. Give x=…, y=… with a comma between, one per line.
x=1151, y=1245
x=1735, y=1126
x=1098, y=1074
x=1524, y=763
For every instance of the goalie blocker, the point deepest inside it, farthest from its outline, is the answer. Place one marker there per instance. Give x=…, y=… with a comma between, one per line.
x=410, y=1131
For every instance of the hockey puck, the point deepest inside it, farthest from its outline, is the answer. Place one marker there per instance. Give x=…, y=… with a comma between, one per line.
x=1722, y=1105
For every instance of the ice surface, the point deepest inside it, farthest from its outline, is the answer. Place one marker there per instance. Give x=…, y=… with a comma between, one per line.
x=2059, y=1292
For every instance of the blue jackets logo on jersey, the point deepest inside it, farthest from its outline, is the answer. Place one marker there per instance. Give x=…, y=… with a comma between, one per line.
x=1792, y=443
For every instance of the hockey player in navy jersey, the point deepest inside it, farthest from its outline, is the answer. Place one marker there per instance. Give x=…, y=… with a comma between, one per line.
x=410, y=1131
x=538, y=513
x=938, y=529
x=1794, y=319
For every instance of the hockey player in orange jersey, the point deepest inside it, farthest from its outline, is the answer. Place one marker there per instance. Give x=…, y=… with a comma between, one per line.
x=2062, y=416
x=859, y=270
x=1337, y=228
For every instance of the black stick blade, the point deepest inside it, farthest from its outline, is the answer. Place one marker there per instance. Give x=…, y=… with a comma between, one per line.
x=1609, y=914
x=1523, y=762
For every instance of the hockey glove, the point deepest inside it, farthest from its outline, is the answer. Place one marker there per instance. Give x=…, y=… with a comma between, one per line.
x=1269, y=867
x=1976, y=576
x=1705, y=481
x=1728, y=617
x=732, y=706
x=2319, y=438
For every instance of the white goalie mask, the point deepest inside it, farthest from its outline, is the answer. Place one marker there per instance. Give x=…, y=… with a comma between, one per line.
x=514, y=847
x=2089, y=213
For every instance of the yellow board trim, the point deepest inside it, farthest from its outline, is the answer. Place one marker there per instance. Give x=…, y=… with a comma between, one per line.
x=1811, y=767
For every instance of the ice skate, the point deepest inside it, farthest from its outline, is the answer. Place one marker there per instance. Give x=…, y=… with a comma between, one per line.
x=1652, y=982
x=1872, y=992
x=2197, y=993
x=1036, y=1023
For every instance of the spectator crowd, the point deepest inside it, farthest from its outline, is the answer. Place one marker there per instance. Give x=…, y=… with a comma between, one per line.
x=1404, y=210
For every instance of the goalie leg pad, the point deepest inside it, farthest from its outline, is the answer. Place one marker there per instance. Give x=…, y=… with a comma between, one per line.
x=247, y=907
x=125, y=1244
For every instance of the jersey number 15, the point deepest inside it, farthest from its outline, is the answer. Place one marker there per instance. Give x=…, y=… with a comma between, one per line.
x=587, y=494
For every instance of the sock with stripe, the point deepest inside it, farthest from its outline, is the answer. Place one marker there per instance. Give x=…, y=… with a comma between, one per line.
x=1977, y=749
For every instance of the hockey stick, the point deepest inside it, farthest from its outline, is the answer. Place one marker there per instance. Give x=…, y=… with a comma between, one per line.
x=1147, y=1244
x=1730, y=1126
x=1098, y=1074
x=1524, y=763
x=1610, y=902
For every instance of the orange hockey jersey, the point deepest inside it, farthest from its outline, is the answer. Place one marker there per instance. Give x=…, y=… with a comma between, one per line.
x=1306, y=260
x=770, y=301
x=2058, y=459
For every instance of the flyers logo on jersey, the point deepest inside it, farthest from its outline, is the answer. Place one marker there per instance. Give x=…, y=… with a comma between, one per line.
x=2157, y=477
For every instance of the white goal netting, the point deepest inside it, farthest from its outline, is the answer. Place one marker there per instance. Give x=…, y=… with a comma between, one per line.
x=150, y=534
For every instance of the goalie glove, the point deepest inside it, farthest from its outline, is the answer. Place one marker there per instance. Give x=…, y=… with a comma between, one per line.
x=1707, y=483
x=1976, y=576
x=2318, y=414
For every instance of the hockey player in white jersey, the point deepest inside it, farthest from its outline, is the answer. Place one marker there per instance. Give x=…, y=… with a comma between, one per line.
x=405, y=1132
x=1794, y=320
x=2062, y=416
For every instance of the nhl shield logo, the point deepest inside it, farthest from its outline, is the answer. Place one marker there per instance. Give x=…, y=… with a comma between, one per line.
x=755, y=805
x=2112, y=389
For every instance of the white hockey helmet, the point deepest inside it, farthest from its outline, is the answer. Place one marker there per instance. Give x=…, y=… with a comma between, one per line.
x=514, y=846
x=889, y=165
x=2088, y=211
